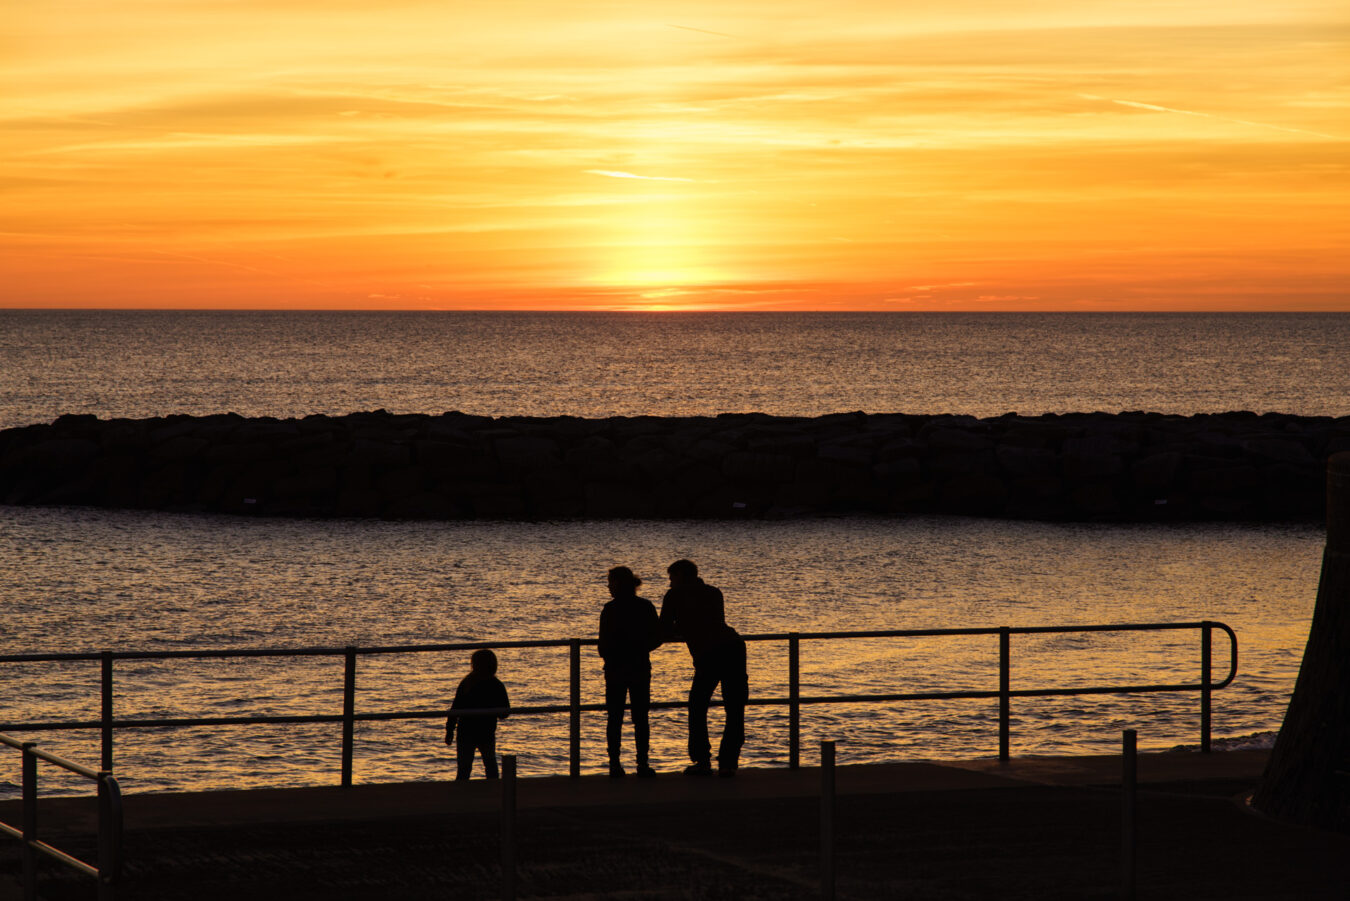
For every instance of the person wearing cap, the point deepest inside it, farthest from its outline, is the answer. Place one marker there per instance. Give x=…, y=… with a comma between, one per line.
x=694, y=611
x=629, y=632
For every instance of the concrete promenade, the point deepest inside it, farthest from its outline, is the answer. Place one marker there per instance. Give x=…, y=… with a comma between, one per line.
x=1036, y=828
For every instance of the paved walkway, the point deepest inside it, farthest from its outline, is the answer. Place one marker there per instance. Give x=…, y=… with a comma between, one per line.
x=1042, y=828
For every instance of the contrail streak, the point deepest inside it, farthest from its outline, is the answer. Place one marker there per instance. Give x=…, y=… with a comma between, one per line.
x=1185, y=112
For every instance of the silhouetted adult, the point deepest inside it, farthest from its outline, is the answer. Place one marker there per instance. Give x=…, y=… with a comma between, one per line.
x=694, y=611
x=479, y=690
x=629, y=631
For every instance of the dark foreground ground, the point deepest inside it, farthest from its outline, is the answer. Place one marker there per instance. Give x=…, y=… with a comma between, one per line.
x=1031, y=829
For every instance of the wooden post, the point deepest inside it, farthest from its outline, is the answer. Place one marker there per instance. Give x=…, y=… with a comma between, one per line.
x=109, y=836
x=30, y=822
x=509, y=832
x=827, y=821
x=1129, y=797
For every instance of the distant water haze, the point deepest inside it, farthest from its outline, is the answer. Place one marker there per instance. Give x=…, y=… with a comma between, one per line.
x=140, y=364
x=89, y=580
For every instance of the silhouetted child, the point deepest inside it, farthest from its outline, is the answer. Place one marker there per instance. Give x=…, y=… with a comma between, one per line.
x=479, y=690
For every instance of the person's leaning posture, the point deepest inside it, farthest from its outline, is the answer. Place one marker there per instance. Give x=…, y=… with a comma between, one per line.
x=477, y=734
x=693, y=611
x=629, y=631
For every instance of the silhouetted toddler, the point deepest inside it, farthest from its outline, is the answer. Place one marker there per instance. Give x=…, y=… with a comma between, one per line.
x=479, y=690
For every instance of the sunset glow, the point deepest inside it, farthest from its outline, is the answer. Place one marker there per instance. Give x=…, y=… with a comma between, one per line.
x=971, y=155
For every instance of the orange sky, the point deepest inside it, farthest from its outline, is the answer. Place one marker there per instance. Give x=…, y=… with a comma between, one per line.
x=969, y=154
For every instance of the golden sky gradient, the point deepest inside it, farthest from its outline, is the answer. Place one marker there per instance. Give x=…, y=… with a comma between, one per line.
x=855, y=154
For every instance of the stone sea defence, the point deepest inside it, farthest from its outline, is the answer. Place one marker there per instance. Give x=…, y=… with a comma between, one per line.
x=1074, y=467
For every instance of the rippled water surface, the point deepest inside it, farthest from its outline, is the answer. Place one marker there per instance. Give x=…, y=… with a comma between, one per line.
x=93, y=580
x=137, y=364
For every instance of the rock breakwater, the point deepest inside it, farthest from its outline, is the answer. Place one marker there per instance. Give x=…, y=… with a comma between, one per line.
x=1078, y=467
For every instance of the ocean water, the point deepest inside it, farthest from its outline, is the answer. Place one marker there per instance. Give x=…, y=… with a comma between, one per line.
x=89, y=580
x=136, y=364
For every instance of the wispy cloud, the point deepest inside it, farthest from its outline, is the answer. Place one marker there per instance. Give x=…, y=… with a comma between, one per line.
x=701, y=290
x=1185, y=112
x=720, y=34
x=196, y=259
x=611, y=173
x=943, y=286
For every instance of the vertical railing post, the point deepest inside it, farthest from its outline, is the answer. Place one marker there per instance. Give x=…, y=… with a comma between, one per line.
x=1206, y=693
x=1129, y=792
x=109, y=836
x=509, y=834
x=29, y=821
x=827, y=821
x=348, y=713
x=794, y=701
x=1004, y=687
x=574, y=712
x=106, y=710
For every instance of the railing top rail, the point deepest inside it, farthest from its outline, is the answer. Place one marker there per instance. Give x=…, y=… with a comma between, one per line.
x=208, y=653
x=62, y=762
x=334, y=651
x=987, y=630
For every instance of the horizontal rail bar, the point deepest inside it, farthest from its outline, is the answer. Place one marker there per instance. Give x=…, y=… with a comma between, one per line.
x=40, y=754
x=50, y=851
x=58, y=854
x=385, y=716
x=68, y=860
x=208, y=653
x=1110, y=627
x=872, y=633
x=216, y=653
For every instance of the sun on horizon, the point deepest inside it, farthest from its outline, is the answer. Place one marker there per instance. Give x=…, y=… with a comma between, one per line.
x=698, y=156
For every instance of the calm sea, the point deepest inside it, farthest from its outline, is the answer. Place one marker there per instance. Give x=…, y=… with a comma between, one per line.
x=87, y=580
x=292, y=364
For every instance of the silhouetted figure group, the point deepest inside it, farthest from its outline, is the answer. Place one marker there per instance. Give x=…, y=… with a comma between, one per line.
x=692, y=611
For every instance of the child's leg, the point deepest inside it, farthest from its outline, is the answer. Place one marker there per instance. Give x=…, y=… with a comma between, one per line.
x=464, y=749
x=488, y=746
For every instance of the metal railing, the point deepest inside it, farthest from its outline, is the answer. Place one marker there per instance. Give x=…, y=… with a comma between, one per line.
x=108, y=724
x=109, y=867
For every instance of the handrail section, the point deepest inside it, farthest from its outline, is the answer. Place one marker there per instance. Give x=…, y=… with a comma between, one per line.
x=107, y=723
x=109, y=869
